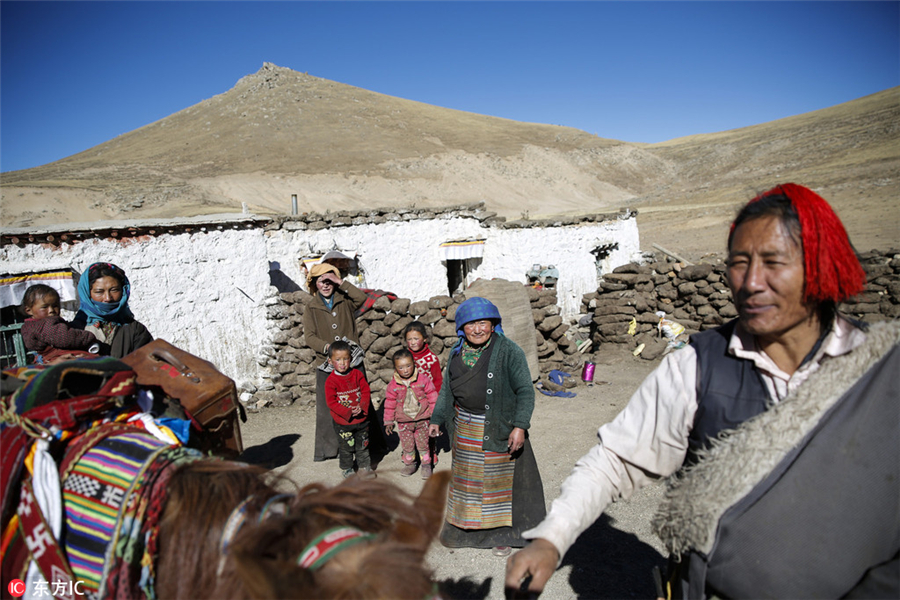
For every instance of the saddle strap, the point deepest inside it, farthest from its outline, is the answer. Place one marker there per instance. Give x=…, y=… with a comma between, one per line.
x=43, y=547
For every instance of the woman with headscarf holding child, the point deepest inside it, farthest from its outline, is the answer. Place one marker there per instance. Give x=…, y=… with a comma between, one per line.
x=485, y=403
x=103, y=294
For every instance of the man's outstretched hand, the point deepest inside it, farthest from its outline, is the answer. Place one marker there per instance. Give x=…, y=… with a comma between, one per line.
x=535, y=564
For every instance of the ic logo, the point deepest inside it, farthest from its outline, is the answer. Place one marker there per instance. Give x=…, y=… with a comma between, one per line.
x=16, y=588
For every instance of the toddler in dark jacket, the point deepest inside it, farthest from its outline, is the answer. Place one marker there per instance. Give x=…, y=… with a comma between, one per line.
x=46, y=333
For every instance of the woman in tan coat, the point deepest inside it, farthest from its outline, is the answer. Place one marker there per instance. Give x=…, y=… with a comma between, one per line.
x=329, y=317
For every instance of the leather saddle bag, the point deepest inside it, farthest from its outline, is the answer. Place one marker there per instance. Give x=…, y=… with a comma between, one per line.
x=208, y=397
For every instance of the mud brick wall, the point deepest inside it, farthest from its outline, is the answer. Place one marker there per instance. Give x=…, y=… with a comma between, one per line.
x=697, y=297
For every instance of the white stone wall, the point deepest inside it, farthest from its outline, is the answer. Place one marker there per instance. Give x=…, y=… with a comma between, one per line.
x=405, y=258
x=510, y=253
x=207, y=292
x=203, y=292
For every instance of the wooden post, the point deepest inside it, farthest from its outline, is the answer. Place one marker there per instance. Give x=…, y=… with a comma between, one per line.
x=672, y=254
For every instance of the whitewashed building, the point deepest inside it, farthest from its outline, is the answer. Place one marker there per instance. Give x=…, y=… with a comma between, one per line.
x=204, y=283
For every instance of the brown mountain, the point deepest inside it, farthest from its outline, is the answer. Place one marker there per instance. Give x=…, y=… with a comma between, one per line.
x=279, y=132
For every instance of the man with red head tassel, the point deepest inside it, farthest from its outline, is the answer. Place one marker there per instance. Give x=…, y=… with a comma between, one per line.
x=781, y=429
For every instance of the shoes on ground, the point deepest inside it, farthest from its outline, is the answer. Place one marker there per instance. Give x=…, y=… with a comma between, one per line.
x=426, y=471
x=408, y=470
x=347, y=473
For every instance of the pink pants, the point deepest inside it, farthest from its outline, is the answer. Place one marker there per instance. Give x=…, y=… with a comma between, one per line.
x=414, y=435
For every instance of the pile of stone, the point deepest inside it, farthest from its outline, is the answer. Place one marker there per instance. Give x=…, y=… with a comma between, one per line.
x=697, y=297
x=291, y=365
x=476, y=210
x=377, y=216
x=555, y=348
x=881, y=298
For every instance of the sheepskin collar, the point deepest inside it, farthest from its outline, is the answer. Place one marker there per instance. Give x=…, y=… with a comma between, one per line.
x=697, y=497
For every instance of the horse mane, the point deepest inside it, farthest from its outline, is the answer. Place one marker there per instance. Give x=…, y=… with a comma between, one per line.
x=262, y=559
x=388, y=567
x=201, y=496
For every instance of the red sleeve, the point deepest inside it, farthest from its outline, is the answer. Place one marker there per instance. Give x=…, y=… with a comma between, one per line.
x=431, y=395
x=437, y=376
x=60, y=334
x=331, y=398
x=365, y=393
x=390, y=402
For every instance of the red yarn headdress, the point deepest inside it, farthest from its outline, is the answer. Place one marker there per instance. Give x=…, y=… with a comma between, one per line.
x=832, y=270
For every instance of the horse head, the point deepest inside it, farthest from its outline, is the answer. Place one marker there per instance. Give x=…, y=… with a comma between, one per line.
x=359, y=539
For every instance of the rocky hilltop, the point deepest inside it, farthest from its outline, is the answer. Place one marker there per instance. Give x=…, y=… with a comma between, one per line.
x=279, y=132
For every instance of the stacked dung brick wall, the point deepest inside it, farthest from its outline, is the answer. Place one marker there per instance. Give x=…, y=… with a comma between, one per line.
x=881, y=298
x=556, y=350
x=291, y=365
x=381, y=327
x=697, y=297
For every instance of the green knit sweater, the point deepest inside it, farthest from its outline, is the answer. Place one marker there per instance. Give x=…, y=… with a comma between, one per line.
x=509, y=397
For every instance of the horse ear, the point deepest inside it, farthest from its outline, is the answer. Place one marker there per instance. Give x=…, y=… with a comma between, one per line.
x=430, y=507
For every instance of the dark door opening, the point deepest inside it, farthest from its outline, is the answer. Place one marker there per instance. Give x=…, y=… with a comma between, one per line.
x=458, y=273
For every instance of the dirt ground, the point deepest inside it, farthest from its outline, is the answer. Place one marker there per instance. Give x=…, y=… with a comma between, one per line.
x=612, y=559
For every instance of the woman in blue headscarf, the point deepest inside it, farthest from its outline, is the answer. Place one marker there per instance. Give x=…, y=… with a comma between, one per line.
x=486, y=403
x=103, y=293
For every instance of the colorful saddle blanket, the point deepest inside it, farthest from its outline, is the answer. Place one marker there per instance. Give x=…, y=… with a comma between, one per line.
x=63, y=397
x=113, y=476
x=113, y=496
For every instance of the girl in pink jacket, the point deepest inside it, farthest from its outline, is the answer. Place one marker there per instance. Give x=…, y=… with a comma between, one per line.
x=409, y=400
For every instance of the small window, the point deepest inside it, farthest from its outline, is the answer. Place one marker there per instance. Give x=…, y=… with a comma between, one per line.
x=12, y=349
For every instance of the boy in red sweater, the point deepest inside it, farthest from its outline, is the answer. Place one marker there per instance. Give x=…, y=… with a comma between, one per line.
x=348, y=397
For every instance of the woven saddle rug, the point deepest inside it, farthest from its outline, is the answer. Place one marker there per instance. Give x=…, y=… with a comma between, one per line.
x=114, y=481
x=65, y=397
x=114, y=493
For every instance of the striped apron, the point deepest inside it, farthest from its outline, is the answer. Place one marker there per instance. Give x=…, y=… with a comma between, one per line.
x=481, y=485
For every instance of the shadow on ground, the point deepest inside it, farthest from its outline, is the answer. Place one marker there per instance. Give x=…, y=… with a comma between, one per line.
x=608, y=563
x=465, y=588
x=277, y=452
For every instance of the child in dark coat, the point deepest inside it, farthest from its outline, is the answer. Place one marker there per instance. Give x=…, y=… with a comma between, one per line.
x=46, y=333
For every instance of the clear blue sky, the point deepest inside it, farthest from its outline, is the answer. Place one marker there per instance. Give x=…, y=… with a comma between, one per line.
x=76, y=74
